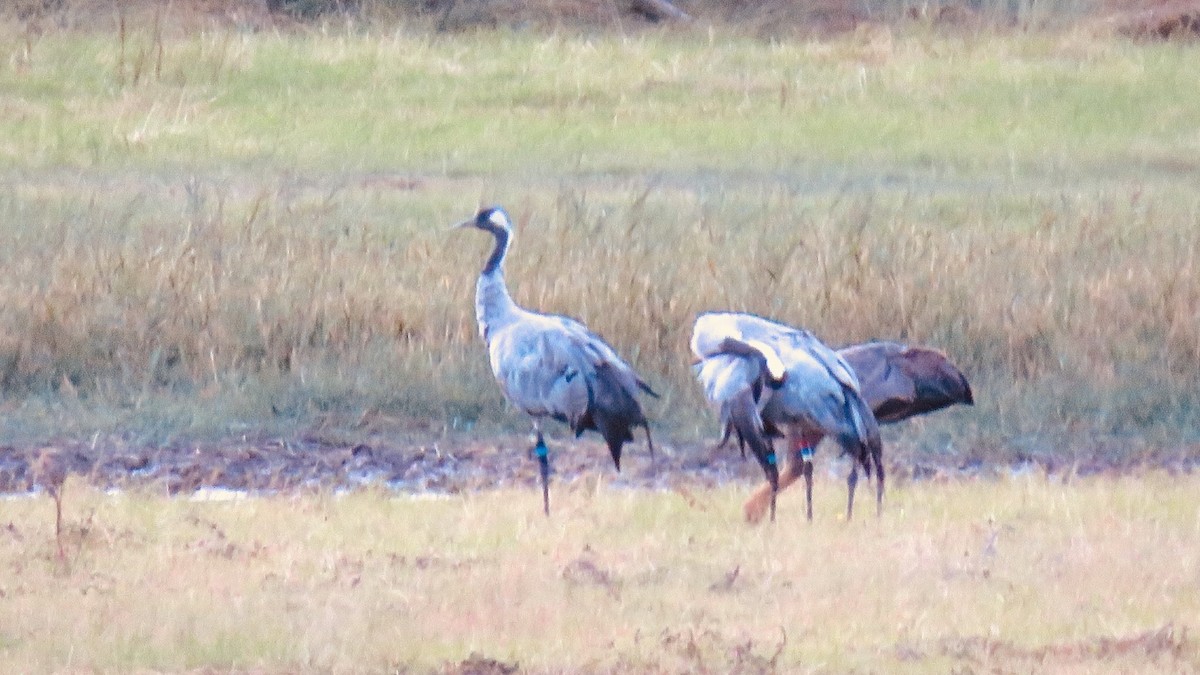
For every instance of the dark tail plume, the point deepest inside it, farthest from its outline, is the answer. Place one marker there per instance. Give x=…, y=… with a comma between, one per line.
x=861, y=438
x=743, y=415
x=614, y=413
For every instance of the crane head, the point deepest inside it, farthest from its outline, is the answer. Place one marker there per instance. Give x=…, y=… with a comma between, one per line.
x=491, y=219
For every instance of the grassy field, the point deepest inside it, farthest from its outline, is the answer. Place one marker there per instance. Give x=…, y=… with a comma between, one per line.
x=215, y=231
x=208, y=229
x=1005, y=576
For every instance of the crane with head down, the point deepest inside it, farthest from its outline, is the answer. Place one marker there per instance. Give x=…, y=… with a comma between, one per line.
x=898, y=382
x=767, y=377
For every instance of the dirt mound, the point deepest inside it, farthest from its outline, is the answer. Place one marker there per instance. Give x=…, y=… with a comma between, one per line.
x=476, y=664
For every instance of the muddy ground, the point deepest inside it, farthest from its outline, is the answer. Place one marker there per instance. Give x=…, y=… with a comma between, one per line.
x=449, y=464
x=444, y=465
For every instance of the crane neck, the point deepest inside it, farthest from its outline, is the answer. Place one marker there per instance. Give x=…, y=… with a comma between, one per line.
x=495, y=261
x=494, y=307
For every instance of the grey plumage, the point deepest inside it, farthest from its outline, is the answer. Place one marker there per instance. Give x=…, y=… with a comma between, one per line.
x=765, y=377
x=553, y=366
x=898, y=381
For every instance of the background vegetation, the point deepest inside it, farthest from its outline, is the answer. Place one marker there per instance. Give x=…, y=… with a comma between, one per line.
x=210, y=227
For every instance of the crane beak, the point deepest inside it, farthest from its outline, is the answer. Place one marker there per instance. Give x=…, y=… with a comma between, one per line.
x=470, y=222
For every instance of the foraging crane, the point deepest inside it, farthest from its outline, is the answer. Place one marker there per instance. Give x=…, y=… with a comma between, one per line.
x=898, y=382
x=552, y=366
x=764, y=376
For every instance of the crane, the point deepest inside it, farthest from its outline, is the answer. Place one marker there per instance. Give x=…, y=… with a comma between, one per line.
x=552, y=366
x=765, y=377
x=898, y=382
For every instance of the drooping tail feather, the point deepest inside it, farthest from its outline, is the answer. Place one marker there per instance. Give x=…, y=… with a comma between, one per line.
x=614, y=413
x=743, y=415
x=861, y=438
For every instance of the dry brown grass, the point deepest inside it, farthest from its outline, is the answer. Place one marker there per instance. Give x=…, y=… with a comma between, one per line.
x=201, y=217
x=1061, y=293
x=1096, y=576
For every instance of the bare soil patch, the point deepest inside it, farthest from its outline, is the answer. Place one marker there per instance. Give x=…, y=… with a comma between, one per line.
x=411, y=463
x=434, y=465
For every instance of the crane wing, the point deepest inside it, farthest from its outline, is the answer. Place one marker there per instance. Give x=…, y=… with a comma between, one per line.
x=725, y=377
x=831, y=361
x=727, y=333
x=783, y=347
x=734, y=374
x=900, y=382
x=614, y=409
x=542, y=372
x=552, y=365
x=601, y=354
x=821, y=389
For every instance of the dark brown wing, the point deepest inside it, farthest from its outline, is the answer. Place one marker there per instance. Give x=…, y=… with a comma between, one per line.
x=899, y=382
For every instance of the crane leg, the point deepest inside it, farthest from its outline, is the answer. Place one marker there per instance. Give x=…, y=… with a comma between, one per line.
x=758, y=503
x=808, y=471
x=773, y=476
x=771, y=467
x=799, y=466
x=543, y=457
x=650, y=444
x=878, y=487
x=802, y=454
x=851, y=481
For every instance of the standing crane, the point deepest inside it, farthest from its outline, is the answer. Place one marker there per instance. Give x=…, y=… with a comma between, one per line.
x=765, y=376
x=552, y=366
x=898, y=382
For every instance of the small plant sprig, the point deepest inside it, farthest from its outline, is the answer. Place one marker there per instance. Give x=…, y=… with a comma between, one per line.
x=50, y=471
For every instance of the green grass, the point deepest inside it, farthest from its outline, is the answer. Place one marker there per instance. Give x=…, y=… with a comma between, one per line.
x=207, y=230
x=498, y=102
x=1095, y=576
